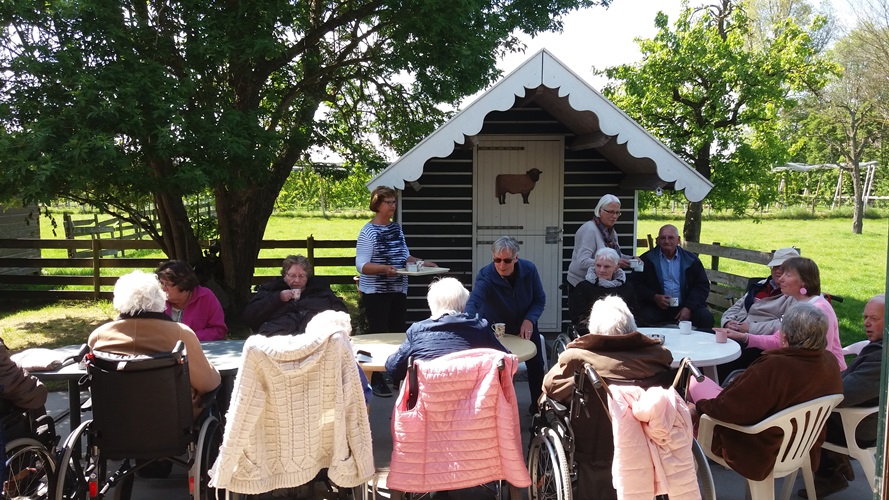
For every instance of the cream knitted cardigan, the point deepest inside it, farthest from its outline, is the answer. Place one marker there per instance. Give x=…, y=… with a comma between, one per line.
x=297, y=407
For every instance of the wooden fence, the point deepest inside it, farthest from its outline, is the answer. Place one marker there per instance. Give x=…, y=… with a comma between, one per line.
x=726, y=288
x=103, y=270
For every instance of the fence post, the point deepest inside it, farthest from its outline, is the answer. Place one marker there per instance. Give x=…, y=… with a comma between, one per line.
x=69, y=232
x=310, y=249
x=714, y=260
x=97, y=254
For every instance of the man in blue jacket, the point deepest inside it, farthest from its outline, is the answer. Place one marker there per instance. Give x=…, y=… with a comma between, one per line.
x=509, y=290
x=673, y=286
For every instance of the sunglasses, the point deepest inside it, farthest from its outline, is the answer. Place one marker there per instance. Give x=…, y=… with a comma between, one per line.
x=498, y=260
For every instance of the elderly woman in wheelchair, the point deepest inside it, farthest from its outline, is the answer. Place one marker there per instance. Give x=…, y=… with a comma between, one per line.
x=622, y=356
x=152, y=393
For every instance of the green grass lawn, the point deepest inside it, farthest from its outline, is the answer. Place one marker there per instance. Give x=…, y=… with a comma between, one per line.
x=852, y=266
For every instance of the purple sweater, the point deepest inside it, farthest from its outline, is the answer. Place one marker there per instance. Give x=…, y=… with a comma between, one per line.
x=203, y=314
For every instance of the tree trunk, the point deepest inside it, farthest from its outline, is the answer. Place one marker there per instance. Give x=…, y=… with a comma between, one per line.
x=858, y=199
x=178, y=240
x=691, y=231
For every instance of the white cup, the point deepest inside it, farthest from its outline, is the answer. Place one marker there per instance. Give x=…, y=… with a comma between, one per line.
x=685, y=327
x=297, y=293
x=721, y=335
x=412, y=267
x=419, y=264
x=674, y=301
x=499, y=329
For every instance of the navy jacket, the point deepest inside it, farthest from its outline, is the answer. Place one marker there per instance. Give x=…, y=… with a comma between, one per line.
x=693, y=282
x=432, y=338
x=494, y=299
x=267, y=315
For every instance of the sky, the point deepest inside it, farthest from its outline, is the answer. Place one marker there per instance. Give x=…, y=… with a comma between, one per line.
x=599, y=37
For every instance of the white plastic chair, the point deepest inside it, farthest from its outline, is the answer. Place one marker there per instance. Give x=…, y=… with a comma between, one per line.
x=801, y=425
x=851, y=417
x=855, y=348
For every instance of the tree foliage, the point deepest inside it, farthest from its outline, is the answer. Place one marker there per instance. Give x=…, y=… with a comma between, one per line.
x=843, y=123
x=714, y=97
x=114, y=102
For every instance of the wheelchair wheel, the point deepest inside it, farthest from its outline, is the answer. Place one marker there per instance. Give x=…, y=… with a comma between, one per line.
x=77, y=466
x=30, y=470
x=702, y=469
x=209, y=441
x=559, y=346
x=548, y=465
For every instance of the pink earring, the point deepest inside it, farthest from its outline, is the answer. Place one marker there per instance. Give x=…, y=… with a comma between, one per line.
x=803, y=291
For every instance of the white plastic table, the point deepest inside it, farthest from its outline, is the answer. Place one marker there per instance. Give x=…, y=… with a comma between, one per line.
x=382, y=345
x=700, y=347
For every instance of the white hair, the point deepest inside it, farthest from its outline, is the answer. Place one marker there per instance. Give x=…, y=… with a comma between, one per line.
x=608, y=253
x=329, y=322
x=447, y=295
x=137, y=292
x=611, y=316
x=605, y=200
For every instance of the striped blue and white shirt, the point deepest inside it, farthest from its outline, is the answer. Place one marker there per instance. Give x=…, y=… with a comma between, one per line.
x=385, y=245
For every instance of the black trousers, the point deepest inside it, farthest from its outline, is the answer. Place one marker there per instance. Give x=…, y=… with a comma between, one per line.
x=385, y=312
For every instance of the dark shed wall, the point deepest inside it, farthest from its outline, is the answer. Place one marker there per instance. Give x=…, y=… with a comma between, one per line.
x=437, y=218
x=19, y=222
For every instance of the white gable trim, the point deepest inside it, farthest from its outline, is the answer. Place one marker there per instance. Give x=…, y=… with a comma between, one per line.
x=544, y=69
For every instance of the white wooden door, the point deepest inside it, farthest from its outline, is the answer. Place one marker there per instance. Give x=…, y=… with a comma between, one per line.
x=537, y=224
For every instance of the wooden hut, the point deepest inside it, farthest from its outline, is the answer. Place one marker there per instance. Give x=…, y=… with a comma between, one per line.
x=529, y=158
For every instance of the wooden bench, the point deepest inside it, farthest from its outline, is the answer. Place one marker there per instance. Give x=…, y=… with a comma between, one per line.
x=727, y=288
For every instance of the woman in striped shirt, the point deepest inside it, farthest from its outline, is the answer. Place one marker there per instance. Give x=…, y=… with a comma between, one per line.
x=380, y=252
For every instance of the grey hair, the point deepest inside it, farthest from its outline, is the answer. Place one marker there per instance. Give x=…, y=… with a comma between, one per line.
x=608, y=253
x=505, y=243
x=297, y=260
x=605, y=200
x=330, y=322
x=447, y=295
x=805, y=327
x=137, y=292
x=611, y=316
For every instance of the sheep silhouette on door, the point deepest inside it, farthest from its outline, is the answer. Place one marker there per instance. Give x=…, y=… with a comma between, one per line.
x=516, y=184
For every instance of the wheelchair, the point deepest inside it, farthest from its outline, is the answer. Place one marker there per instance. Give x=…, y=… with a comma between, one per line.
x=142, y=414
x=30, y=445
x=551, y=452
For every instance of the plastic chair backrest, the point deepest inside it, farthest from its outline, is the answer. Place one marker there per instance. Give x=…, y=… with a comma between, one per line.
x=801, y=424
x=141, y=404
x=855, y=348
x=851, y=418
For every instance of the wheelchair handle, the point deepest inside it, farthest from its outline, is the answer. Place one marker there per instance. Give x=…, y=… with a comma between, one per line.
x=592, y=375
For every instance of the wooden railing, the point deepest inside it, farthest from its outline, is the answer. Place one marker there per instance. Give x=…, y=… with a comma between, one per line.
x=726, y=288
x=22, y=286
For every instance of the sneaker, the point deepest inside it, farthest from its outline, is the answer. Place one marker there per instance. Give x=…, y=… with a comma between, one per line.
x=379, y=386
x=825, y=486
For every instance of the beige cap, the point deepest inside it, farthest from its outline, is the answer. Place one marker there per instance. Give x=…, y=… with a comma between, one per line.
x=781, y=255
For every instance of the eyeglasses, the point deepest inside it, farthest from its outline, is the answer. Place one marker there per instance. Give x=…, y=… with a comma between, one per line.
x=296, y=276
x=166, y=284
x=612, y=212
x=391, y=202
x=498, y=260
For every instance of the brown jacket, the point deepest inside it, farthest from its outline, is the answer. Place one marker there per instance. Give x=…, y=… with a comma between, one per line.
x=632, y=359
x=17, y=386
x=133, y=336
x=779, y=379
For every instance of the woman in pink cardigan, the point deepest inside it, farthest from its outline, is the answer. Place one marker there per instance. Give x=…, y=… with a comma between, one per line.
x=189, y=303
x=801, y=281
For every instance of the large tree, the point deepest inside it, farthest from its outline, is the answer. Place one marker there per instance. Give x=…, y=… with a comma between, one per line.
x=116, y=102
x=845, y=117
x=713, y=94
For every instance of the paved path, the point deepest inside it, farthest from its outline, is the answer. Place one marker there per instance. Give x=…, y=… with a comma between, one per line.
x=729, y=486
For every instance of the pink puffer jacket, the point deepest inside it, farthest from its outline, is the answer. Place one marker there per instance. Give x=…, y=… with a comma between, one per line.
x=464, y=429
x=652, y=444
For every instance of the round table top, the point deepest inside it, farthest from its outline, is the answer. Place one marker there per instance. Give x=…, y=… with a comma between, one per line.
x=382, y=345
x=700, y=347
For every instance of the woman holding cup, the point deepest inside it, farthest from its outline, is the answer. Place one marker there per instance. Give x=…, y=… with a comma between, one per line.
x=285, y=305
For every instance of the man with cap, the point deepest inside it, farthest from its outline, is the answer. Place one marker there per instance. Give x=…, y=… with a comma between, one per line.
x=759, y=311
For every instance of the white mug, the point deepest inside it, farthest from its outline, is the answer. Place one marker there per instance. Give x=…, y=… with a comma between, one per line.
x=419, y=264
x=499, y=329
x=685, y=327
x=412, y=267
x=674, y=301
